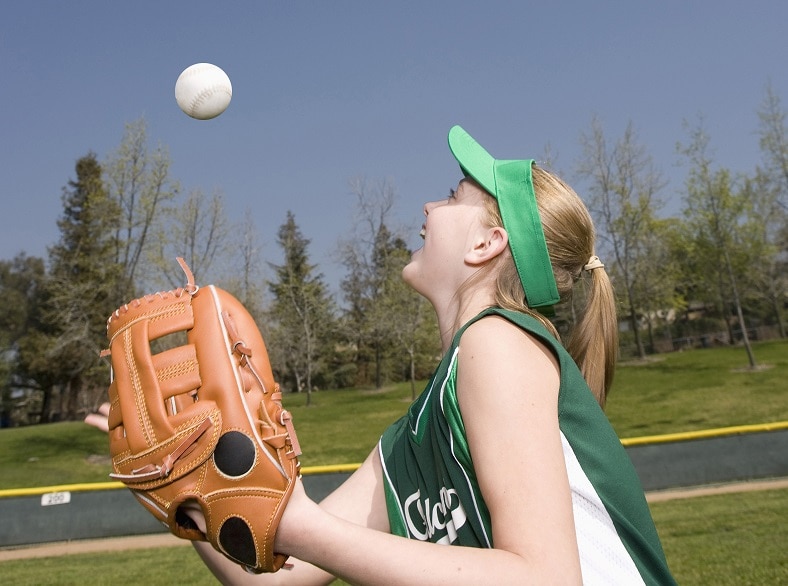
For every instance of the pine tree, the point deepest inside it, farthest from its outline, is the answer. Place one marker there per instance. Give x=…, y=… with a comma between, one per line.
x=377, y=301
x=302, y=313
x=79, y=295
x=21, y=282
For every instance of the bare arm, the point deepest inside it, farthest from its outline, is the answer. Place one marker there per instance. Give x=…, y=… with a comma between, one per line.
x=359, y=500
x=508, y=394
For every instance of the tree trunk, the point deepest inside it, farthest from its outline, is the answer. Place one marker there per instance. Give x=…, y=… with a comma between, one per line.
x=668, y=331
x=633, y=318
x=650, y=336
x=73, y=390
x=745, y=338
x=46, y=402
x=724, y=313
x=309, y=382
x=378, y=366
x=778, y=316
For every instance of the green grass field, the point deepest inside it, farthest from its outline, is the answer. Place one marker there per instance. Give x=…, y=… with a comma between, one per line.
x=733, y=540
x=726, y=539
x=700, y=389
x=686, y=391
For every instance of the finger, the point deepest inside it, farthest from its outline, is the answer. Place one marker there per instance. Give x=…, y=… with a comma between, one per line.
x=98, y=421
x=195, y=513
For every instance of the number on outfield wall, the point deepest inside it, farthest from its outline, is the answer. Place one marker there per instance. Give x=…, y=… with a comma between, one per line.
x=55, y=498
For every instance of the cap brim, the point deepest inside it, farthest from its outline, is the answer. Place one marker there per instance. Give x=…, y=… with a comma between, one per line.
x=473, y=159
x=510, y=182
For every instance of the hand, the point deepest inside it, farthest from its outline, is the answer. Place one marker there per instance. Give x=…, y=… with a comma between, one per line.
x=99, y=420
x=194, y=512
x=299, y=504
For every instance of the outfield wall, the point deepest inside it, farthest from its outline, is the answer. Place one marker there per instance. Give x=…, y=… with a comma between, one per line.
x=89, y=511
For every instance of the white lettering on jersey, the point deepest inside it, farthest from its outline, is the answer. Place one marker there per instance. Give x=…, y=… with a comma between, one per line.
x=425, y=520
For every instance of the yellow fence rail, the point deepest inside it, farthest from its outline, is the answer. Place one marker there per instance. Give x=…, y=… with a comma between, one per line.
x=343, y=468
x=704, y=434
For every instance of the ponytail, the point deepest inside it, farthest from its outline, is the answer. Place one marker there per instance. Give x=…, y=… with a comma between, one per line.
x=593, y=342
x=570, y=236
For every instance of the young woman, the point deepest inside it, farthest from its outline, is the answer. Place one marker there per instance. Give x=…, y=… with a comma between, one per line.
x=505, y=470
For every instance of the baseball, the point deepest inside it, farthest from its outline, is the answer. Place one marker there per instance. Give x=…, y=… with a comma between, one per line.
x=203, y=91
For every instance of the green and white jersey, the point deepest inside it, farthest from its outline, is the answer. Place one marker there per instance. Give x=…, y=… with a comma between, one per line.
x=432, y=493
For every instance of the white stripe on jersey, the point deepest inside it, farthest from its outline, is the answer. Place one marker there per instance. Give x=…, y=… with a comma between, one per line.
x=471, y=485
x=603, y=558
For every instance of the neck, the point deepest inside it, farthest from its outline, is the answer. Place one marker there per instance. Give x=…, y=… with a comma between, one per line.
x=455, y=312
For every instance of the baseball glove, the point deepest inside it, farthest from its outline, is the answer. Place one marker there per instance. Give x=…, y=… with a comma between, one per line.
x=202, y=421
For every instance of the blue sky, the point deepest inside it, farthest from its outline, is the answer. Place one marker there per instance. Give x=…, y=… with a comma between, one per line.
x=327, y=91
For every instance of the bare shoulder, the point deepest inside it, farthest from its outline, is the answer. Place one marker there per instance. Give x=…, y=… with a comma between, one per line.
x=494, y=342
x=507, y=388
x=505, y=374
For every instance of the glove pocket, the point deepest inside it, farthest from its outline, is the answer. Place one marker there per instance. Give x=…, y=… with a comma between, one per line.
x=175, y=457
x=242, y=523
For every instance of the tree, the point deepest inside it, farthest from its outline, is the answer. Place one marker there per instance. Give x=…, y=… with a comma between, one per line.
x=768, y=191
x=78, y=296
x=658, y=275
x=623, y=186
x=714, y=212
x=400, y=322
x=767, y=229
x=21, y=283
x=246, y=282
x=138, y=180
x=773, y=138
x=198, y=231
x=407, y=318
x=373, y=257
x=302, y=311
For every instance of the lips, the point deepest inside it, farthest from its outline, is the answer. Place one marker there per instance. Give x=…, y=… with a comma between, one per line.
x=423, y=232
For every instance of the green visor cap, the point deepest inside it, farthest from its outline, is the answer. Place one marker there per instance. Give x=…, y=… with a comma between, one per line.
x=510, y=183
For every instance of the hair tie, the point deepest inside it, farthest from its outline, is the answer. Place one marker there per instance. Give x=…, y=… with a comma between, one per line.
x=593, y=263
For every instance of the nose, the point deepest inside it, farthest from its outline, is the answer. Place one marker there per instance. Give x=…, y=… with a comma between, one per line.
x=429, y=206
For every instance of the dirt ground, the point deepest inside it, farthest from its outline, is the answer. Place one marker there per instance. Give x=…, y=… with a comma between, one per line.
x=167, y=540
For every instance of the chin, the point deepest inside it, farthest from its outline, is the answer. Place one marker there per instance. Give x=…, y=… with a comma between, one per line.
x=410, y=274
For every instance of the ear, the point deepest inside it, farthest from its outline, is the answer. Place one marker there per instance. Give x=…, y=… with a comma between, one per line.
x=489, y=244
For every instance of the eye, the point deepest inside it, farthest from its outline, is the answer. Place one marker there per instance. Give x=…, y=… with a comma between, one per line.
x=452, y=194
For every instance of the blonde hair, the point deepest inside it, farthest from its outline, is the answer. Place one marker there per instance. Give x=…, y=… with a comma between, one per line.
x=570, y=236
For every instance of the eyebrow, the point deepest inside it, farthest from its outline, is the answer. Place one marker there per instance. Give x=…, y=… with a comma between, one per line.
x=472, y=182
x=463, y=181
